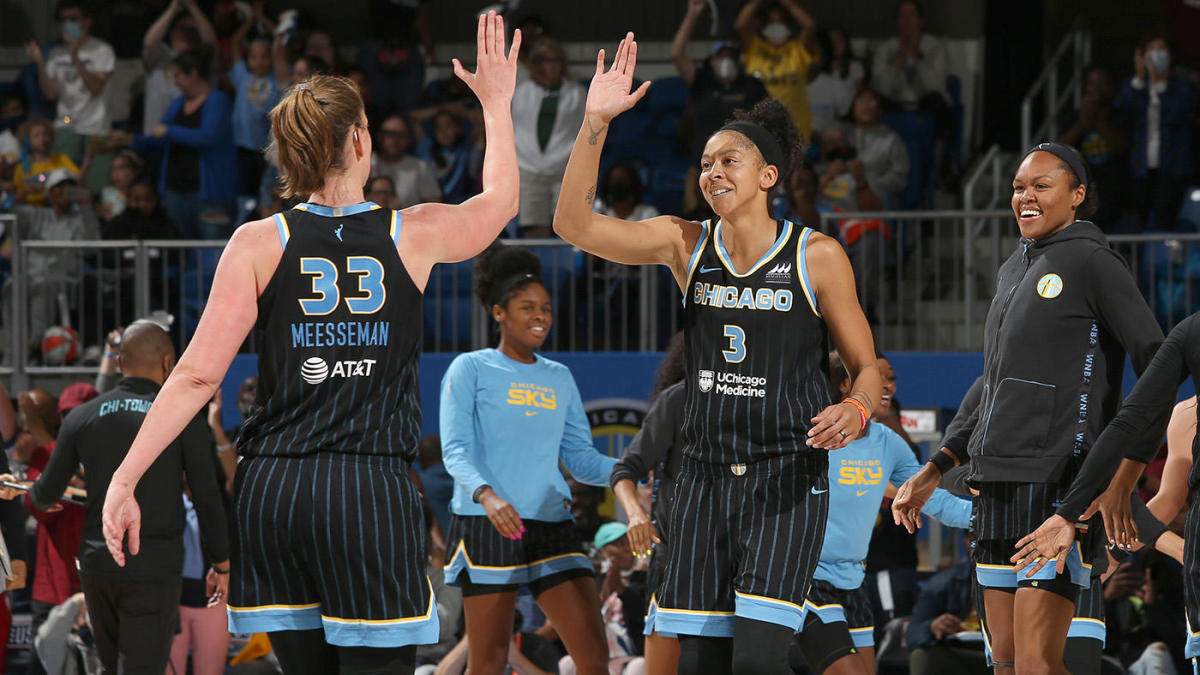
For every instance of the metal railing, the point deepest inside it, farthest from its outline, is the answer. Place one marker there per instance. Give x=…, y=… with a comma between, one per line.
x=927, y=288
x=1073, y=54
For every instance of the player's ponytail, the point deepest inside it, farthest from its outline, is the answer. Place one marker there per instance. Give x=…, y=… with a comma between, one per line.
x=310, y=126
x=502, y=271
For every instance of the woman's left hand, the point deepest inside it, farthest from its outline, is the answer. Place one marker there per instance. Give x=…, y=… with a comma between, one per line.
x=1052, y=540
x=159, y=131
x=834, y=427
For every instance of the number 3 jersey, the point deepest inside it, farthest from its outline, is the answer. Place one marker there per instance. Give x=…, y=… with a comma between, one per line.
x=339, y=334
x=756, y=353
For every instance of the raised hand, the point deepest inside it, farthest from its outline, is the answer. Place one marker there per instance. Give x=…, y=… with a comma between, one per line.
x=495, y=75
x=610, y=95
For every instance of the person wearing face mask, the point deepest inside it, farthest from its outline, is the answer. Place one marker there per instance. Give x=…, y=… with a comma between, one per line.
x=778, y=56
x=1161, y=105
x=719, y=86
x=620, y=194
x=75, y=75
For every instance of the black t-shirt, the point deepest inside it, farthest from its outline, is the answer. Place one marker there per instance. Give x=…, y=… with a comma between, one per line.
x=183, y=161
x=712, y=103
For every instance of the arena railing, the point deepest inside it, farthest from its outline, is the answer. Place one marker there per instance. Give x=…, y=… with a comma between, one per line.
x=1073, y=54
x=928, y=289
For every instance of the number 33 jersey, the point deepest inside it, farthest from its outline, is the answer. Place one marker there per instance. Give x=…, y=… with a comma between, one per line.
x=339, y=333
x=756, y=352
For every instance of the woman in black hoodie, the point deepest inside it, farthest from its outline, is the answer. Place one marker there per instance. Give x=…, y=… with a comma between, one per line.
x=1065, y=314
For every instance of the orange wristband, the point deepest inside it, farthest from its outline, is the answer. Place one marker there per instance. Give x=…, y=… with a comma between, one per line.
x=862, y=412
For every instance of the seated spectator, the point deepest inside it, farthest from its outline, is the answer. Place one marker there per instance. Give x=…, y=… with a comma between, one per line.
x=456, y=161
x=142, y=218
x=75, y=74
x=843, y=186
x=382, y=191
x=63, y=643
x=256, y=92
x=830, y=93
x=802, y=206
x=306, y=66
x=372, y=108
x=12, y=116
x=37, y=161
x=620, y=194
x=944, y=608
x=1098, y=132
x=198, y=180
x=779, y=56
x=882, y=151
x=910, y=69
x=186, y=27
x=391, y=54
x=1142, y=610
x=547, y=114
x=1161, y=107
x=843, y=65
x=415, y=180
x=126, y=169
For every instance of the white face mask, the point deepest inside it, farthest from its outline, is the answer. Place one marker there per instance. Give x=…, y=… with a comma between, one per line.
x=724, y=68
x=776, y=33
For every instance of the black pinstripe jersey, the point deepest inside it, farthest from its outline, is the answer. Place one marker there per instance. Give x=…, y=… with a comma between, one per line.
x=756, y=352
x=340, y=333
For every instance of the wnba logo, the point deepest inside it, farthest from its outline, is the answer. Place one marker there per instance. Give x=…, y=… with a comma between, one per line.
x=314, y=370
x=706, y=381
x=1050, y=286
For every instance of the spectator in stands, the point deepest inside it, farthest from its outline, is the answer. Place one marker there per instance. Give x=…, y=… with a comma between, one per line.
x=186, y=27
x=843, y=186
x=374, y=111
x=63, y=644
x=203, y=627
x=142, y=218
x=199, y=167
x=456, y=161
x=127, y=167
x=75, y=74
x=547, y=114
x=1161, y=106
x=533, y=29
x=719, y=86
x=802, y=202
x=436, y=482
x=321, y=45
x=944, y=608
x=620, y=194
x=910, y=69
x=833, y=80
x=775, y=54
x=55, y=577
x=257, y=91
x=414, y=179
x=225, y=440
x=391, y=55
x=881, y=150
x=382, y=191
x=306, y=66
x=1098, y=132
x=1142, y=608
x=843, y=64
x=12, y=116
x=37, y=161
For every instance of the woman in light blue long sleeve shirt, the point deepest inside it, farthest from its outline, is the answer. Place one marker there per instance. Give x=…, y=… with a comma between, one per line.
x=508, y=417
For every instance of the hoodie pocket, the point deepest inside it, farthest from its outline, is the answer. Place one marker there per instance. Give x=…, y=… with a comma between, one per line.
x=1019, y=420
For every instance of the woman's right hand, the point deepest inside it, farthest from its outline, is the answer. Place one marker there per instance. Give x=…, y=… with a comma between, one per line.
x=610, y=94
x=121, y=515
x=641, y=533
x=502, y=514
x=495, y=75
x=912, y=496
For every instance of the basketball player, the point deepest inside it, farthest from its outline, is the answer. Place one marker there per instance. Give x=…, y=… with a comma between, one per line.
x=759, y=295
x=508, y=417
x=1065, y=314
x=330, y=553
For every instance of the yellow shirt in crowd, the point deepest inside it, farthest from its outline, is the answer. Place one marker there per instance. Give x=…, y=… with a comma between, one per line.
x=29, y=189
x=784, y=72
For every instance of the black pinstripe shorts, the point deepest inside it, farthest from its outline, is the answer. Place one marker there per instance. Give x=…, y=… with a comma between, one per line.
x=838, y=623
x=1191, y=577
x=333, y=541
x=743, y=541
x=546, y=549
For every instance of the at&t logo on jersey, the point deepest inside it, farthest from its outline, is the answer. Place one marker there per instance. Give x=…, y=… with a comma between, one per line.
x=780, y=274
x=315, y=370
x=732, y=384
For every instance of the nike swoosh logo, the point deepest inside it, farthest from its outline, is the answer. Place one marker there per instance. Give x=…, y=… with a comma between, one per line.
x=815, y=491
x=859, y=494
x=706, y=270
x=529, y=413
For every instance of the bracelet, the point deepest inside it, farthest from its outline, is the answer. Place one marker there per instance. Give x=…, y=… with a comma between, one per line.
x=111, y=355
x=862, y=411
x=224, y=446
x=942, y=461
x=479, y=490
x=224, y=571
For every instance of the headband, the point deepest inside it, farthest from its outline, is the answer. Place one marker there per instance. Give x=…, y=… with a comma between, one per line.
x=509, y=284
x=1070, y=156
x=764, y=140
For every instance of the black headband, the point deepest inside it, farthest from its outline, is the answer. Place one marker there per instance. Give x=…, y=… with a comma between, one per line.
x=509, y=284
x=764, y=140
x=1067, y=154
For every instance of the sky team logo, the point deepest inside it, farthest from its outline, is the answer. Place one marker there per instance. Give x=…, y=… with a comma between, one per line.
x=1049, y=286
x=780, y=274
x=706, y=380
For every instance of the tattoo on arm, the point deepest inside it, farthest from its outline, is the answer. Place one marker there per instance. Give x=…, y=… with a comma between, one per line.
x=865, y=400
x=591, y=195
x=593, y=133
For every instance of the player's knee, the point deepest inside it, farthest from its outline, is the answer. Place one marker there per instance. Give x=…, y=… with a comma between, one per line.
x=1032, y=664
